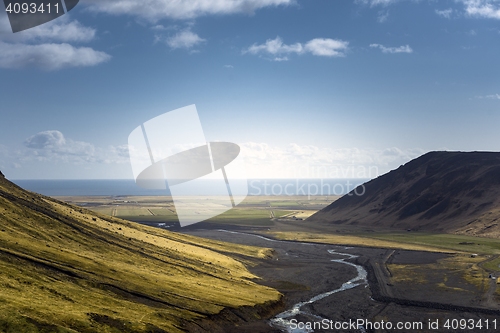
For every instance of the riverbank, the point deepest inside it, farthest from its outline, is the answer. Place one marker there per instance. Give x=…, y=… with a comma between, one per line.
x=303, y=270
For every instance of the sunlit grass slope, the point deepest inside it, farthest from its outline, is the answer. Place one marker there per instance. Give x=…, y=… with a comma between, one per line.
x=66, y=269
x=405, y=241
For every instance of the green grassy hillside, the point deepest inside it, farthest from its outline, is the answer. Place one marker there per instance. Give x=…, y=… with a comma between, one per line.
x=66, y=269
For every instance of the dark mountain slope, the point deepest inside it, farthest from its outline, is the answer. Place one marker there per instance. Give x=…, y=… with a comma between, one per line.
x=66, y=269
x=439, y=191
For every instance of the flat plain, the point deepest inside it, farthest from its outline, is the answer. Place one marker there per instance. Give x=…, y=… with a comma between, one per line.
x=253, y=211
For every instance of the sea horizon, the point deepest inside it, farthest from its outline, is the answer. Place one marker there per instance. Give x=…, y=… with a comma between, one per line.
x=127, y=187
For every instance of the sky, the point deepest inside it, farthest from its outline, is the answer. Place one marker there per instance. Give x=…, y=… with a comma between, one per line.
x=306, y=88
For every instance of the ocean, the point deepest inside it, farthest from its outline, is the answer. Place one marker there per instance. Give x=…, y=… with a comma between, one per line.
x=127, y=187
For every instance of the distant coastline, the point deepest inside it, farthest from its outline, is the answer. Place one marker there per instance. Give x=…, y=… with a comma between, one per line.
x=127, y=187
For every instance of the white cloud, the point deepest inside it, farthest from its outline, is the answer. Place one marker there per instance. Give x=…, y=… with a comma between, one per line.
x=52, y=146
x=472, y=8
x=400, y=49
x=262, y=160
x=306, y=161
x=46, y=46
x=187, y=9
x=383, y=15
x=159, y=27
x=482, y=8
x=493, y=96
x=325, y=47
x=60, y=30
x=184, y=40
x=275, y=46
x=45, y=139
x=445, y=12
x=49, y=56
x=373, y=3
x=229, y=66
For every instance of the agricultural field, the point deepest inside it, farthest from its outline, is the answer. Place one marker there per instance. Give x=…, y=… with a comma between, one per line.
x=351, y=240
x=458, y=243
x=492, y=264
x=253, y=211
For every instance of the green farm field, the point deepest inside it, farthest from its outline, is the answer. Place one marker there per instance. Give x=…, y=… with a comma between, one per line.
x=253, y=211
x=452, y=242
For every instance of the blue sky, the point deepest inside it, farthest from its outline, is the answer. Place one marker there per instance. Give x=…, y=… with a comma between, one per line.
x=306, y=88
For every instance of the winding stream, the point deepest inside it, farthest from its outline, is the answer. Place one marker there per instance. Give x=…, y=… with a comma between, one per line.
x=283, y=320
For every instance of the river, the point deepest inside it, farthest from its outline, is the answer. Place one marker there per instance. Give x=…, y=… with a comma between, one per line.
x=285, y=320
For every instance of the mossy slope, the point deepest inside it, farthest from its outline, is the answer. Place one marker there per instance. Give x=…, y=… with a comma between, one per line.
x=67, y=269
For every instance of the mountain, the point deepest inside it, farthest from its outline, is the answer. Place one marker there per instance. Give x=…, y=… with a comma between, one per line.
x=66, y=269
x=452, y=192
